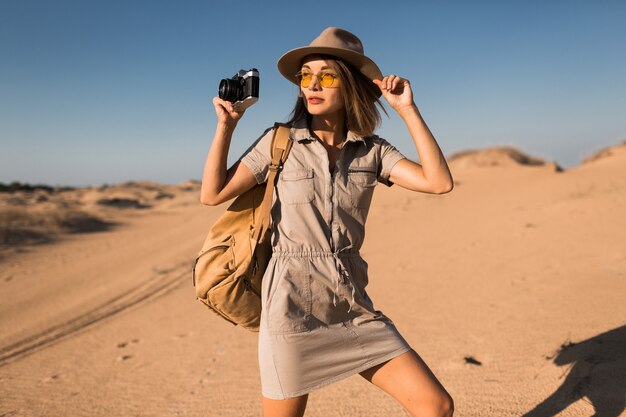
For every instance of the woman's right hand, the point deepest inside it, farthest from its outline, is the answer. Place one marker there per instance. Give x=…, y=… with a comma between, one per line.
x=226, y=112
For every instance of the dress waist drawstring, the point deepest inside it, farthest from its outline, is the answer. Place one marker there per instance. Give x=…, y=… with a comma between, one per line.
x=343, y=276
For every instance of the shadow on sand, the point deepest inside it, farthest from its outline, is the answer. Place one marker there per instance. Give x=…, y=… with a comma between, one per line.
x=597, y=373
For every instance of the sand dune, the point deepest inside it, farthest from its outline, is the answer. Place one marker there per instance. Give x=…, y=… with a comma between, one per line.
x=511, y=288
x=496, y=156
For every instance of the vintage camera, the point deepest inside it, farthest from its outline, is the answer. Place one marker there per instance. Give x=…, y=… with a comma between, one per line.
x=242, y=90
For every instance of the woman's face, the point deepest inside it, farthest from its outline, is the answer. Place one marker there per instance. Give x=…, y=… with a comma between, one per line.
x=319, y=100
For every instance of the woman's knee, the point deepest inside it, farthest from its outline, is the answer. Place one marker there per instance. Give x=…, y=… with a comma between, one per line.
x=446, y=406
x=441, y=406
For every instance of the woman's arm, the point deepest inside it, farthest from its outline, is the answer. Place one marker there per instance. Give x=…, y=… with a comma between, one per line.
x=433, y=175
x=218, y=183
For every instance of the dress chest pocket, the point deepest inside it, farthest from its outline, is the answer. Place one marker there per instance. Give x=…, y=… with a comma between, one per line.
x=361, y=184
x=296, y=186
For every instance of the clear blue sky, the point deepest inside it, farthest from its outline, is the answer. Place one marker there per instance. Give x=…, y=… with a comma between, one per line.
x=96, y=92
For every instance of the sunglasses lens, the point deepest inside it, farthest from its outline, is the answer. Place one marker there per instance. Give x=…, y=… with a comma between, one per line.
x=305, y=79
x=327, y=80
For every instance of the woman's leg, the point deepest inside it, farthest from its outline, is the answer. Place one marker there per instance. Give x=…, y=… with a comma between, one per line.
x=412, y=383
x=292, y=407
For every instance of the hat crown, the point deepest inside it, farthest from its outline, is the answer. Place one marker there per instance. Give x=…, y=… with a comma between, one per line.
x=338, y=38
x=334, y=42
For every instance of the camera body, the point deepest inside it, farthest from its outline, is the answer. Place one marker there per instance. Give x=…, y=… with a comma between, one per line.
x=242, y=90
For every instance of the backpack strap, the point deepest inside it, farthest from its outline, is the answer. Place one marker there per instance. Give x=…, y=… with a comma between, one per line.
x=281, y=145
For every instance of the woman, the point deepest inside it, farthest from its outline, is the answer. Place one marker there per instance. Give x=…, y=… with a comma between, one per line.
x=318, y=324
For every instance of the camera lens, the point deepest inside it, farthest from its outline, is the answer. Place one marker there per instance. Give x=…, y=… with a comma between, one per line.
x=229, y=90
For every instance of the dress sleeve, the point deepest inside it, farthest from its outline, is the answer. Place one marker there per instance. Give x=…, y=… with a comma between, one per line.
x=258, y=156
x=389, y=155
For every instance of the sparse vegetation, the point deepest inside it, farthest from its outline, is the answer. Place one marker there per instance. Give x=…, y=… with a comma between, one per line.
x=20, y=225
x=39, y=213
x=118, y=202
x=19, y=186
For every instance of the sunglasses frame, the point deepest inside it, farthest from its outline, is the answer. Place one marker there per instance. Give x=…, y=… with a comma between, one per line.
x=320, y=78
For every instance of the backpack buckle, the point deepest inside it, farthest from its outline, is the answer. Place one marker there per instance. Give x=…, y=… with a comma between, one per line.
x=276, y=168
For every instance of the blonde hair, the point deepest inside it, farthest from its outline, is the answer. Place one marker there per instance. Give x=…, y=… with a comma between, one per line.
x=360, y=97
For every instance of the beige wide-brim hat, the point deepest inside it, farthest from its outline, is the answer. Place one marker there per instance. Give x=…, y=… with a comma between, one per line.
x=332, y=41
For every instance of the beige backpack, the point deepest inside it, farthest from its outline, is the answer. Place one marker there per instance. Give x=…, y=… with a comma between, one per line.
x=228, y=271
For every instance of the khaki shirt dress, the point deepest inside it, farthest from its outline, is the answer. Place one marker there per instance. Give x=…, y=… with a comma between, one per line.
x=318, y=324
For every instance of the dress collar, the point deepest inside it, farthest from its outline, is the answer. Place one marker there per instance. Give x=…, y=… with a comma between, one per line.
x=300, y=132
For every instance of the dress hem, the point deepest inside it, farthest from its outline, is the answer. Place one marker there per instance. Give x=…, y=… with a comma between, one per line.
x=367, y=365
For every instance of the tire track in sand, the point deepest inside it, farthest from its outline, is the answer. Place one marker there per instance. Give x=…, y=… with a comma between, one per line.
x=146, y=291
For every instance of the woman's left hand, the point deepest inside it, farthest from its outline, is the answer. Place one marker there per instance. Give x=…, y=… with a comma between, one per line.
x=397, y=92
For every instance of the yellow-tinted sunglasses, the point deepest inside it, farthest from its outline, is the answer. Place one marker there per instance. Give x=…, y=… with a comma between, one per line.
x=326, y=79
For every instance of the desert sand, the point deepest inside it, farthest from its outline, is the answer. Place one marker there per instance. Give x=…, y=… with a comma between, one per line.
x=512, y=288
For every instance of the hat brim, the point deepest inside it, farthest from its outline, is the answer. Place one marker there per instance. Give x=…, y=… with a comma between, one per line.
x=289, y=64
